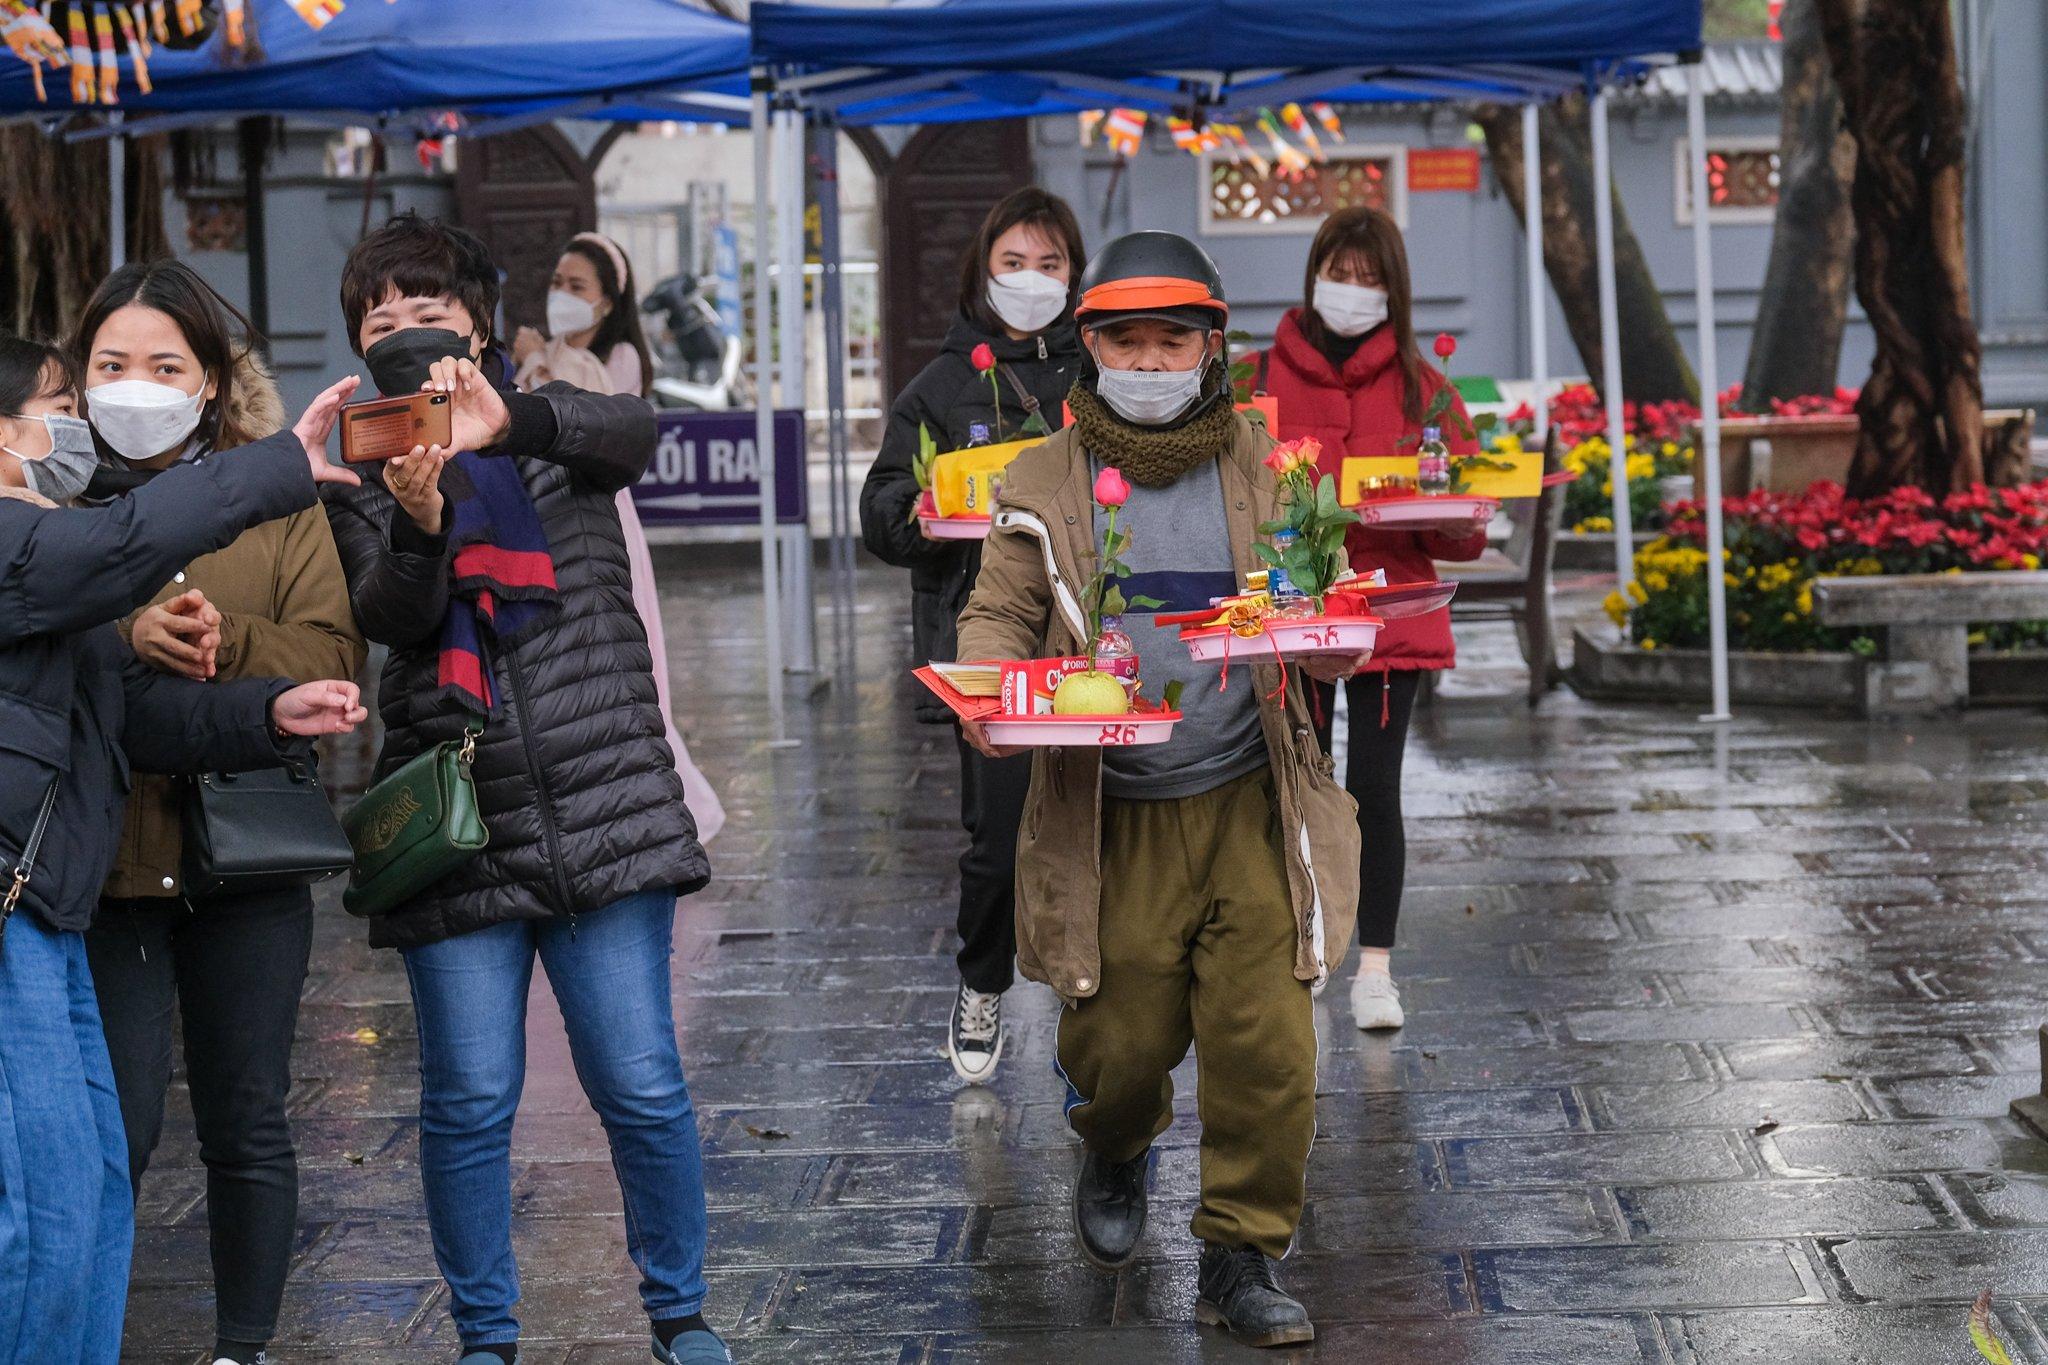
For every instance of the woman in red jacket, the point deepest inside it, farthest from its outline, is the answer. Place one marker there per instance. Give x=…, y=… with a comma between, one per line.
x=1345, y=370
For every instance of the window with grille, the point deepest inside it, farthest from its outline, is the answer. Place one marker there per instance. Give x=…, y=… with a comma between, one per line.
x=1237, y=198
x=1742, y=180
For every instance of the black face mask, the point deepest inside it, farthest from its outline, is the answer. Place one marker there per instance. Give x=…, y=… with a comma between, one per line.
x=399, y=364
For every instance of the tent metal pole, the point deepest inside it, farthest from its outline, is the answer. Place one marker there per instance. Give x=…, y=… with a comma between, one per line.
x=1610, y=344
x=764, y=413
x=799, y=615
x=1539, y=317
x=1708, y=462
x=833, y=300
x=117, y=195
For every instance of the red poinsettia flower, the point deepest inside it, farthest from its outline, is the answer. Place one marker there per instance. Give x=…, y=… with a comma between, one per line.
x=1111, y=489
x=982, y=357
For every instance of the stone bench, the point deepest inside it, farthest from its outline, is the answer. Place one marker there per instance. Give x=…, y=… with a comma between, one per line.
x=1926, y=620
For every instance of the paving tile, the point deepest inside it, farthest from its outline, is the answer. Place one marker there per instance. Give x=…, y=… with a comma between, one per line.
x=1779, y=1208
x=1952, y=1266
x=1873, y=1148
x=1724, y=1104
x=1930, y=1333
x=1594, y=1159
x=1594, y=1279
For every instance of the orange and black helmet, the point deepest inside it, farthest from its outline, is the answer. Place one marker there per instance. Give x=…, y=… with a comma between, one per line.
x=1152, y=275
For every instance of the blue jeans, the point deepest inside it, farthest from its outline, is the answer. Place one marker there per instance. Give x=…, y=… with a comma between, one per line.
x=611, y=978
x=67, y=1217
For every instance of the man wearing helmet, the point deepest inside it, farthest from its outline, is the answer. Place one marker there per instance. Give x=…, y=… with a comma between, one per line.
x=1194, y=891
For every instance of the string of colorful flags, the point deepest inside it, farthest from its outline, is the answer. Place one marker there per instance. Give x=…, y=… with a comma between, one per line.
x=1123, y=130
x=88, y=37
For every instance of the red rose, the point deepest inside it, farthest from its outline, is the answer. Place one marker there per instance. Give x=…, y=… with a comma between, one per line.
x=982, y=358
x=1110, y=488
x=1446, y=346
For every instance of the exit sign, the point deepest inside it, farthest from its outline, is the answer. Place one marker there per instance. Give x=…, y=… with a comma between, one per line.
x=1443, y=168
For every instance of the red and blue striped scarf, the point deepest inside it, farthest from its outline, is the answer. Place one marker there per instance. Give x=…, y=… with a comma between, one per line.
x=504, y=575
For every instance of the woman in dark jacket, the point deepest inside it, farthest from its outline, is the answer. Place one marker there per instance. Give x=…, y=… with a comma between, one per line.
x=1345, y=370
x=229, y=968
x=1016, y=298
x=78, y=714
x=497, y=575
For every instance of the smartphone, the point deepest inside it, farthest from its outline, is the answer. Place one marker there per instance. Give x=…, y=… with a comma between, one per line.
x=384, y=428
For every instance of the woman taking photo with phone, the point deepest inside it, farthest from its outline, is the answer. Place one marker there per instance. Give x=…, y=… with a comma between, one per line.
x=171, y=378
x=1346, y=371
x=496, y=573
x=595, y=343
x=1017, y=295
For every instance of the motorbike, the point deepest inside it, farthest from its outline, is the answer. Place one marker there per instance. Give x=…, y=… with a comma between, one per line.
x=698, y=367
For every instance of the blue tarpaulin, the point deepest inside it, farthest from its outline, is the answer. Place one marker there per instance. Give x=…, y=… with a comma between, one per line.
x=377, y=58
x=963, y=59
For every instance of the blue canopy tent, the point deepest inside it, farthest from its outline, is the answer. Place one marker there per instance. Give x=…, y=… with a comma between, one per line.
x=384, y=62
x=957, y=60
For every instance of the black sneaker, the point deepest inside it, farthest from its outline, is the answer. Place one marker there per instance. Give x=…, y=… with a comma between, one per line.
x=1237, y=1289
x=1109, y=1208
x=975, y=1039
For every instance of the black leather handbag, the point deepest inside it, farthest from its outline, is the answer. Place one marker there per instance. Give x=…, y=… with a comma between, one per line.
x=268, y=830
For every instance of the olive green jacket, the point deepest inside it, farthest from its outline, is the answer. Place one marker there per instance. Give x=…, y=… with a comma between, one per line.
x=1026, y=604
x=284, y=614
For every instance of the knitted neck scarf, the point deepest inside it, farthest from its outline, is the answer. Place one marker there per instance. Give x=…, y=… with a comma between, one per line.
x=1155, y=456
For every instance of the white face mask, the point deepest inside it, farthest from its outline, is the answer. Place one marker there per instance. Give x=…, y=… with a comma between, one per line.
x=1150, y=398
x=1028, y=300
x=1350, y=310
x=569, y=313
x=141, y=420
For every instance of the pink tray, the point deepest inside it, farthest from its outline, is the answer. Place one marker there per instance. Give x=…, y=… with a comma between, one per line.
x=1351, y=635
x=1107, y=732
x=956, y=528
x=1426, y=513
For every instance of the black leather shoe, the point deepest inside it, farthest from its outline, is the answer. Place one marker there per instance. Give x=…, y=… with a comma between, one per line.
x=1109, y=1208
x=1237, y=1289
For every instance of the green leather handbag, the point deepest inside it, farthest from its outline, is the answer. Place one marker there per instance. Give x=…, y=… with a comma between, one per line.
x=414, y=828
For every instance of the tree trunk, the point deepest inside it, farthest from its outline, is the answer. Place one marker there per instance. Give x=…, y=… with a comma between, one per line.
x=1797, y=346
x=54, y=204
x=1922, y=409
x=1653, y=365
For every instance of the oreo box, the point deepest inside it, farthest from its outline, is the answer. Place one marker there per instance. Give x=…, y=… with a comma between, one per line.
x=1028, y=684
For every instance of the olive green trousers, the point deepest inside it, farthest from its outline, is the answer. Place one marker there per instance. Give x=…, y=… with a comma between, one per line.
x=1198, y=944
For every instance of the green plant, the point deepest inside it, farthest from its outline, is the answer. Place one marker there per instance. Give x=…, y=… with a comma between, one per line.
x=1313, y=513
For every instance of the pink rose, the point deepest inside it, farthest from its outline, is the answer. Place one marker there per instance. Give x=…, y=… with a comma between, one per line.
x=1110, y=488
x=982, y=357
x=1288, y=456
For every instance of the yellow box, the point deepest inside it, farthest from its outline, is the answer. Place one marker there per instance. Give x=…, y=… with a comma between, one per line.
x=1522, y=479
x=963, y=481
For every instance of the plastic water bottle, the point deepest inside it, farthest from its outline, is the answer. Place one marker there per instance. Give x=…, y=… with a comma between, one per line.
x=1287, y=598
x=1433, y=463
x=1115, y=655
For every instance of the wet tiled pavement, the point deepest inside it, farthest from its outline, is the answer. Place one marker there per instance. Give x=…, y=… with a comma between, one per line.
x=1711, y=1036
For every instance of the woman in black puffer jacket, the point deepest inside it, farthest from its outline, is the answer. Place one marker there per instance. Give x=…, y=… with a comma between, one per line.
x=498, y=577
x=1017, y=299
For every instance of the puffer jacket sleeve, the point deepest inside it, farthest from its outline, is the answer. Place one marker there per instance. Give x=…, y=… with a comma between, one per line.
x=890, y=492
x=605, y=441
x=397, y=574
x=64, y=570
x=175, y=725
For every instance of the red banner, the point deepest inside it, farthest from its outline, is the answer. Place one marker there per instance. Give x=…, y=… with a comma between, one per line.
x=1443, y=168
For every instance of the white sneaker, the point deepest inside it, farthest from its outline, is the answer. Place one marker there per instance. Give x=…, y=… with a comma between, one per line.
x=974, y=1041
x=1375, y=1002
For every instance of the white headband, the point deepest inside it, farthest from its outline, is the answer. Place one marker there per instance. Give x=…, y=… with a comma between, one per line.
x=610, y=249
